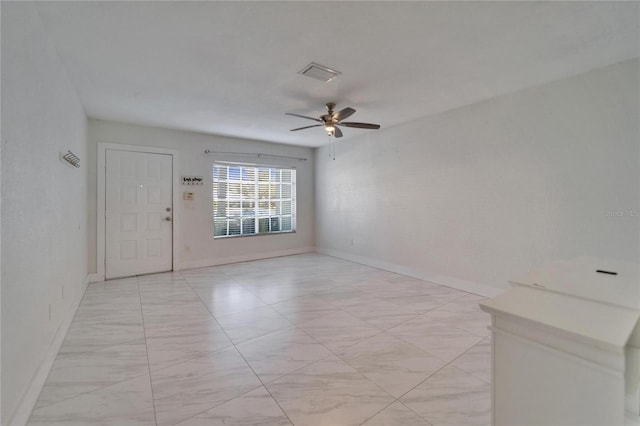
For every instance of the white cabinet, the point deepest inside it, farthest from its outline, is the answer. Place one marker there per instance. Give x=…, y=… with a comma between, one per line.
x=566, y=346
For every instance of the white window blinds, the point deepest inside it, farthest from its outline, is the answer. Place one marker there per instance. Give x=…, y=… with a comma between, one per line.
x=249, y=200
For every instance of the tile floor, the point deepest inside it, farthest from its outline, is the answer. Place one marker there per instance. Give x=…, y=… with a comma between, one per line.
x=304, y=340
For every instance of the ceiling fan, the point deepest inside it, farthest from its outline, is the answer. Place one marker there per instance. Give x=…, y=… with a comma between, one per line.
x=331, y=120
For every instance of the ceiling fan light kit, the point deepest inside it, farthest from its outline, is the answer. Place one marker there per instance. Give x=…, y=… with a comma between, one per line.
x=331, y=120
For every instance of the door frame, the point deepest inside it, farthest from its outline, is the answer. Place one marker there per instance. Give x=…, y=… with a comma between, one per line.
x=102, y=194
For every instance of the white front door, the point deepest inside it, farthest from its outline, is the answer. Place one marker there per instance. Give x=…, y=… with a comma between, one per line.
x=139, y=213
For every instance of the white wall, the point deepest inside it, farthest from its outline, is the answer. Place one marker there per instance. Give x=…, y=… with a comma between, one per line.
x=482, y=193
x=196, y=244
x=44, y=236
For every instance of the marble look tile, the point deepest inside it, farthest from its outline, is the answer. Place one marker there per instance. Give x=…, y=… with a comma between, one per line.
x=112, y=306
x=237, y=269
x=441, y=340
x=187, y=389
x=472, y=317
x=477, y=360
x=451, y=397
x=126, y=403
x=247, y=325
x=371, y=286
x=426, y=287
x=276, y=354
x=405, y=279
x=159, y=318
x=407, y=286
x=109, y=303
x=339, y=331
x=228, y=300
x=382, y=314
x=317, y=283
x=151, y=289
x=161, y=278
x=266, y=278
x=396, y=415
x=279, y=293
x=304, y=309
x=76, y=374
x=475, y=322
x=467, y=302
x=174, y=287
x=328, y=392
x=350, y=276
x=168, y=296
x=110, y=286
x=318, y=304
x=86, y=335
x=109, y=309
x=203, y=281
x=391, y=363
x=255, y=408
x=98, y=292
x=233, y=292
x=208, y=276
x=172, y=346
x=345, y=298
x=205, y=288
x=422, y=302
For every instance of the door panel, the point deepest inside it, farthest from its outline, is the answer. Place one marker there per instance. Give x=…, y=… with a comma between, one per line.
x=139, y=213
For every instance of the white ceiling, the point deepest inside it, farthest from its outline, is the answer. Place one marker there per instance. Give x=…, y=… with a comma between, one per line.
x=230, y=68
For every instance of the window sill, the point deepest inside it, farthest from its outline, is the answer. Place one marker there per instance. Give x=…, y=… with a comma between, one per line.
x=224, y=237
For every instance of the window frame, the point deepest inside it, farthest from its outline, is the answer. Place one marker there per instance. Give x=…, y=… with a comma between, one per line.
x=239, y=202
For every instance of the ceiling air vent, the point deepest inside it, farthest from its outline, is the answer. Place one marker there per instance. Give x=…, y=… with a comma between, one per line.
x=319, y=72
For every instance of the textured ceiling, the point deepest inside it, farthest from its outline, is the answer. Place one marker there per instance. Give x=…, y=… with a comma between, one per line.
x=230, y=68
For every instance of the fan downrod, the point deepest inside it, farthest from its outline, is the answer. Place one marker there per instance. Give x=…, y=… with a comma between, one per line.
x=330, y=106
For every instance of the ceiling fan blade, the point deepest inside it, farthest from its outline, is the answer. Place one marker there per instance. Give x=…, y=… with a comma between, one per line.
x=304, y=116
x=361, y=125
x=337, y=132
x=342, y=114
x=306, y=127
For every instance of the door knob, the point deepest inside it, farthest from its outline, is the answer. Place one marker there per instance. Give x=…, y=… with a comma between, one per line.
x=168, y=218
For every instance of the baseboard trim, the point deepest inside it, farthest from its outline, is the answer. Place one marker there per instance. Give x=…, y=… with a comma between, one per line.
x=30, y=397
x=447, y=281
x=242, y=258
x=94, y=278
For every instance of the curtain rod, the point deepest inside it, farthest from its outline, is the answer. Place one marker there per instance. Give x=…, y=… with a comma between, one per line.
x=208, y=151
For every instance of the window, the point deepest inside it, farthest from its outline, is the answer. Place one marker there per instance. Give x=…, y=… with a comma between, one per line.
x=249, y=200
